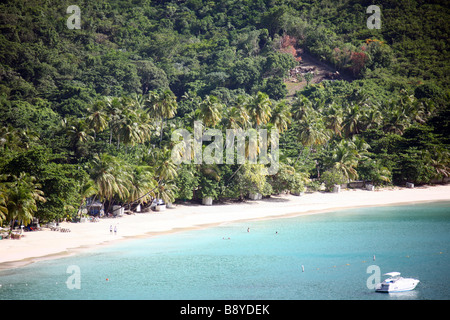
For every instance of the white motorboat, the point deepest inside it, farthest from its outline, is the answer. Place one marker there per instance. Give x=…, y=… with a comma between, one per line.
x=395, y=283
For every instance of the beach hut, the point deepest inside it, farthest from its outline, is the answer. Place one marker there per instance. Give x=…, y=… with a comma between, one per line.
x=95, y=208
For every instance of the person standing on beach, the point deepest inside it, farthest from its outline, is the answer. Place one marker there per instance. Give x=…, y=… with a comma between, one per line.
x=115, y=229
x=110, y=229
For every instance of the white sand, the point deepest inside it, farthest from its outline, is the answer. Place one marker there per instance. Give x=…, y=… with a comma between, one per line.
x=50, y=244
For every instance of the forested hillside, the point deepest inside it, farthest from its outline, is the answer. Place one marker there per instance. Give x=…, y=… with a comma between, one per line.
x=89, y=112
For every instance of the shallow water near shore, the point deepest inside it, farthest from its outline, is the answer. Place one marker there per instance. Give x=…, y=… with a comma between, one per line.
x=258, y=260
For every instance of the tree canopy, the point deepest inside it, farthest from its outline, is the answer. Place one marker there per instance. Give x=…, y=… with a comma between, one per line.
x=89, y=112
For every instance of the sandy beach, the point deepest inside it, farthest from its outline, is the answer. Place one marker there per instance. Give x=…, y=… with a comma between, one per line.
x=83, y=236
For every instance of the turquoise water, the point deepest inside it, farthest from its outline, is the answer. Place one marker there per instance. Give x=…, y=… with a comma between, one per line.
x=335, y=250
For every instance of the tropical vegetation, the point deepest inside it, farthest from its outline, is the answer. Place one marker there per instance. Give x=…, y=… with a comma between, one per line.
x=89, y=113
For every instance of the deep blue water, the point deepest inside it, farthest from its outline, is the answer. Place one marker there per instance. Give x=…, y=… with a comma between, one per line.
x=335, y=250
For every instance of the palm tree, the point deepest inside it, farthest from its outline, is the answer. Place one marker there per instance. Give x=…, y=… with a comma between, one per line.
x=3, y=199
x=87, y=189
x=333, y=119
x=142, y=182
x=113, y=107
x=111, y=176
x=345, y=159
x=210, y=111
x=132, y=123
x=238, y=116
x=78, y=133
x=259, y=109
x=165, y=168
x=372, y=118
x=281, y=116
x=360, y=146
x=396, y=121
x=165, y=171
x=379, y=173
x=352, y=120
x=166, y=191
x=130, y=129
x=138, y=101
x=300, y=106
x=312, y=130
x=23, y=193
x=98, y=119
x=441, y=164
x=16, y=139
x=162, y=105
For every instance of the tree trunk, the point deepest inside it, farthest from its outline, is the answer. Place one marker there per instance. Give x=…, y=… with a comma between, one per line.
x=161, y=132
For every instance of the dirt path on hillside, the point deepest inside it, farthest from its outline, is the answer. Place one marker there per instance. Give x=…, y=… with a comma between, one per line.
x=322, y=71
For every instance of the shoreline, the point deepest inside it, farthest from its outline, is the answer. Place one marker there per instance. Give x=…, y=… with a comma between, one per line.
x=46, y=244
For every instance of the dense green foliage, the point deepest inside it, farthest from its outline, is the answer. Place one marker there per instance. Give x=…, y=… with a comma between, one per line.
x=89, y=112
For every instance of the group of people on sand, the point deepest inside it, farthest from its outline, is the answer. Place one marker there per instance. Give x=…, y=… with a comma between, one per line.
x=111, y=229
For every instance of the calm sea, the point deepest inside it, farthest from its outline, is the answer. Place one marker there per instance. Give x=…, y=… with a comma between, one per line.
x=321, y=256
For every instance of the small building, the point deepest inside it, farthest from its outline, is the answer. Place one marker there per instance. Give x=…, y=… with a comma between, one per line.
x=95, y=208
